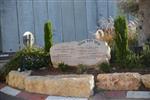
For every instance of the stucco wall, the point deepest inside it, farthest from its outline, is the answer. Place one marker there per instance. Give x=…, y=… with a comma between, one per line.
x=73, y=20
x=145, y=20
x=0, y=25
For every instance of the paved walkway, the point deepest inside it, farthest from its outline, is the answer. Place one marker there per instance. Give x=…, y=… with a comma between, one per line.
x=4, y=96
x=9, y=93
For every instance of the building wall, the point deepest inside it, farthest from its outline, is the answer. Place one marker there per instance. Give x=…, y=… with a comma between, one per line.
x=0, y=26
x=72, y=19
x=144, y=12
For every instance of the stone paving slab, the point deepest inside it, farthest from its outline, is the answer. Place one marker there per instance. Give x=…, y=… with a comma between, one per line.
x=64, y=98
x=102, y=95
x=10, y=91
x=2, y=85
x=4, y=96
x=115, y=94
x=31, y=96
x=122, y=95
x=138, y=94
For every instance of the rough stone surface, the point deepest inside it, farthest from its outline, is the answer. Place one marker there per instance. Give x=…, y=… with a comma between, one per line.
x=144, y=15
x=146, y=80
x=61, y=85
x=16, y=79
x=119, y=81
x=88, y=52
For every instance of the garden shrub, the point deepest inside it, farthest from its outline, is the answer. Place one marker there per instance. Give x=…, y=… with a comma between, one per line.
x=63, y=67
x=121, y=38
x=48, y=36
x=132, y=61
x=81, y=69
x=145, y=57
x=125, y=58
x=34, y=58
x=26, y=59
x=105, y=67
x=11, y=65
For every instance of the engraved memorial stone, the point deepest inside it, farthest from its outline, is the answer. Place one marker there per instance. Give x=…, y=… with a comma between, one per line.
x=88, y=52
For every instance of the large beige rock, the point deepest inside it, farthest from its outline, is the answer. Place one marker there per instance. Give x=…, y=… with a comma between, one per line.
x=88, y=52
x=61, y=85
x=16, y=79
x=119, y=81
x=146, y=80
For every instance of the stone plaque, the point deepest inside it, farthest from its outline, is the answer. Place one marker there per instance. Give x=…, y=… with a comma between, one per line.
x=87, y=52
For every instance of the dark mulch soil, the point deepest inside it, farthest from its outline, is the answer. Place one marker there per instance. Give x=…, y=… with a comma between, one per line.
x=136, y=70
x=73, y=70
x=57, y=71
x=50, y=71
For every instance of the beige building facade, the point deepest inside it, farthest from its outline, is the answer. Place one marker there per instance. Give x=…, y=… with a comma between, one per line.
x=144, y=12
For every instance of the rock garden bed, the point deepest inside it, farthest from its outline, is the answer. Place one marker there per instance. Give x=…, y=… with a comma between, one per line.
x=79, y=68
x=77, y=85
x=58, y=85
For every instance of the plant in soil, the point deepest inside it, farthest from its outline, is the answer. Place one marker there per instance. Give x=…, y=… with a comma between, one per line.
x=63, y=67
x=30, y=58
x=104, y=67
x=48, y=36
x=145, y=58
x=81, y=69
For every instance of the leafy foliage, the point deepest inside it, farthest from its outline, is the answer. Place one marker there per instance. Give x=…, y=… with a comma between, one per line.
x=81, y=68
x=63, y=67
x=26, y=59
x=34, y=58
x=132, y=61
x=48, y=36
x=105, y=67
x=145, y=58
x=124, y=57
x=121, y=38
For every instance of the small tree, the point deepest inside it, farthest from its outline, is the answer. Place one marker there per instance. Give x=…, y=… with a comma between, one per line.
x=48, y=36
x=121, y=38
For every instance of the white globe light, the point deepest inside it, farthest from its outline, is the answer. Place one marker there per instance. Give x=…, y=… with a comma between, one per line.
x=28, y=39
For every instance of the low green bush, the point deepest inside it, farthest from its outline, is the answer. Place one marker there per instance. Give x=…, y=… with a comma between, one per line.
x=81, y=69
x=105, y=67
x=145, y=57
x=63, y=67
x=34, y=58
x=26, y=59
x=132, y=61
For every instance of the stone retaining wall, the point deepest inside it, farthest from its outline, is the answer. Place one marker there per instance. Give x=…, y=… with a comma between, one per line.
x=146, y=80
x=119, y=81
x=16, y=79
x=76, y=85
x=58, y=85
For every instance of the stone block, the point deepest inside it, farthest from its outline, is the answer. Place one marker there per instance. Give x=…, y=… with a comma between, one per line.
x=16, y=79
x=119, y=81
x=146, y=80
x=61, y=85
